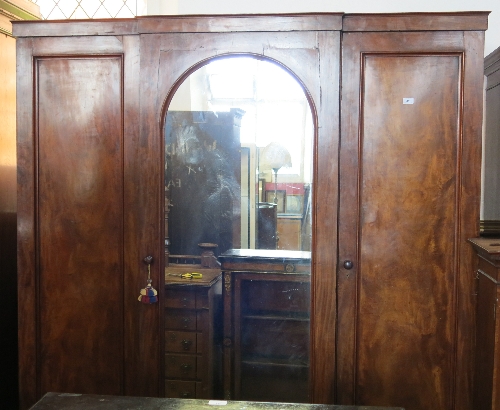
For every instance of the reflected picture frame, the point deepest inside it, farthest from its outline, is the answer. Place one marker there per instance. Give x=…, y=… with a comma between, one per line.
x=281, y=199
x=294, y=204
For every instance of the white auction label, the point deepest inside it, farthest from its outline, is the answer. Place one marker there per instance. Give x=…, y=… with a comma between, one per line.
x=217, y=402
x=407, y=100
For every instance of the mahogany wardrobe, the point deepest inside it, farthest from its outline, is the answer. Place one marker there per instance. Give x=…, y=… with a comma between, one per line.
x=396, y=102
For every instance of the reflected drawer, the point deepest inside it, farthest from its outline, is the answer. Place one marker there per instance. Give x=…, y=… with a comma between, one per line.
x=175, y=298
x=180, y=366
x=284, y=340
x=278, y=296
x=180, y=389
x=180, y=319
x=181, y=342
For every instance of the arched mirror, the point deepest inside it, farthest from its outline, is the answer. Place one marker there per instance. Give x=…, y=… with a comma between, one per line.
x=238, y=189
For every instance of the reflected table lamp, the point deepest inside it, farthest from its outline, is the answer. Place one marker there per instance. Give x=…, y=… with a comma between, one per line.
x=275, y=156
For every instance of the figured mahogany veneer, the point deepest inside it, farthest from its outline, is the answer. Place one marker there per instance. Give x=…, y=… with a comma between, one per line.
x=395, y=196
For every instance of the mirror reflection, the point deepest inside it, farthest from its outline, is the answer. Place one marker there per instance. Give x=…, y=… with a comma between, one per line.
x=238, y=178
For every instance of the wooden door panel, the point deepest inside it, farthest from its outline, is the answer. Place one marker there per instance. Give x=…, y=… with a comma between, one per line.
x=80, y=224
x=167, y=58
x=405, y=306
x=407, y=221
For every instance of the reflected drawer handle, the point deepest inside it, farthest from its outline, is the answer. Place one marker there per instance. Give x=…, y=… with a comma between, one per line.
x=185, y=395
x=186, y=321
x=185, y=301
x=185, y=368
x=186, y=344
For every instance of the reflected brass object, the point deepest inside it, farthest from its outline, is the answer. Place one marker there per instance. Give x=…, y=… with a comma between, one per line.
x=289, y=267
x=193, y=275
x=227, y=283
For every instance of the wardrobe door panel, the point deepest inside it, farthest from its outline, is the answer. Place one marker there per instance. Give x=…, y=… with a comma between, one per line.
x=80, y=224
x=407, y=206
x=400, y=319
x=84, y=218
x=314, y=58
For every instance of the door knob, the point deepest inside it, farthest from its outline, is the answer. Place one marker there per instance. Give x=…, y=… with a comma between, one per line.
x=348, y=264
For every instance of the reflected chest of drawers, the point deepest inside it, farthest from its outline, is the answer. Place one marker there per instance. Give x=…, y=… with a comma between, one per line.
x=193, y=310
x=266, y=325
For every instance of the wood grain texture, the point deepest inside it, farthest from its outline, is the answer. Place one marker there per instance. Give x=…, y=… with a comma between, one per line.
x=243, y=23
x=468, y=217
x=475, y=20
x=183, y=24
x=407, y=186
x=78, y=45
x=80, y=224
x=258, y=23
x=413, y=202
x=26, y=250
x=132, y=323
x=325, y=225
x=143, y=355
x=65, y=28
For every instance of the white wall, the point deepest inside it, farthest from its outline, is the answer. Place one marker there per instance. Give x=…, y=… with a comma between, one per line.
x=347, y=6
x=156, y=7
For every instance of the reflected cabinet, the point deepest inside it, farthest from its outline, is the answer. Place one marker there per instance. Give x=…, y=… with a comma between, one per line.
x=486, y=384
x=266, y=325
x=361, y=293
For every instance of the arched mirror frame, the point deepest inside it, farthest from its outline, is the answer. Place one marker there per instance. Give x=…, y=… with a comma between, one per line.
x=229, y=365
x=313, y=56
x=199, y=65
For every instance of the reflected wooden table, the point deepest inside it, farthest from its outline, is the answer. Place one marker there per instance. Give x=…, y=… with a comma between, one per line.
x=61, y=401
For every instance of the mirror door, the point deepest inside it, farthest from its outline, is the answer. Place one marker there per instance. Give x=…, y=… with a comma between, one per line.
x=247, y=187
x=238, y=159
x=233, y=127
